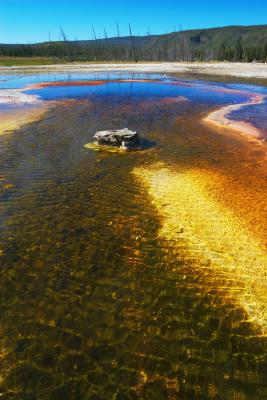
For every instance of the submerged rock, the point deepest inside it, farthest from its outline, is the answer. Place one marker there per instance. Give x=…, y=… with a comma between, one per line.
x=123, y=138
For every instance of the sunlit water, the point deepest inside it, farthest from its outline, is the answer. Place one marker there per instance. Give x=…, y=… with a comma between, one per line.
x=97, y=301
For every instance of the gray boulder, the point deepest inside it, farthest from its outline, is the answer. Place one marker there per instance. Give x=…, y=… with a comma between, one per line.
x=119, y=138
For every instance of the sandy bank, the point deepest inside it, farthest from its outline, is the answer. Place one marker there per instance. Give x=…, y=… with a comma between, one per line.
x=244, y=70
x=22, y=109
x=219, y=118
x=15, y=120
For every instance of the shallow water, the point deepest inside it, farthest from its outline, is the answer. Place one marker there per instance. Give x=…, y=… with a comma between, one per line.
x=256, y=115
x=96, y=304
x=196, y=90
x=158, y=88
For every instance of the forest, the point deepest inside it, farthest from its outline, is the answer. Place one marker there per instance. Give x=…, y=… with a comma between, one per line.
x=240, y=44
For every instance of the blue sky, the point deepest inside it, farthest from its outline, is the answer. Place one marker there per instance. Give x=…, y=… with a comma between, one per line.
x=28, y=21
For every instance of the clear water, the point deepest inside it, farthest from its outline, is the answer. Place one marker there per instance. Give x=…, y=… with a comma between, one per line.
x=94, y=304
x=196, y=92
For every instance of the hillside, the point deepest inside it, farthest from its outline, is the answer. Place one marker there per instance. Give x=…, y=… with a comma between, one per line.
x=232, y=43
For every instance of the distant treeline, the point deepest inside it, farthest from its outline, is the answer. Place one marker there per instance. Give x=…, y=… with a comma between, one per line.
x=245, y=44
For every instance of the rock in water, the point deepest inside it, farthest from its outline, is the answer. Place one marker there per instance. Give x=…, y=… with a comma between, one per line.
x=123, y=138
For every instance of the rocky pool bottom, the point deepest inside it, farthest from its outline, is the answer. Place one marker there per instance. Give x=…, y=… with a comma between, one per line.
x=98, y=300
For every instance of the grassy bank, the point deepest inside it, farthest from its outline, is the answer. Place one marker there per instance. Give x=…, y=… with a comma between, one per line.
x=29, y=61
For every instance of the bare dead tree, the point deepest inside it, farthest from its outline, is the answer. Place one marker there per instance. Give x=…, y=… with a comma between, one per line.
x=98, y=51
x=133, y=45
x=182, y=44
x=175, y=44
x=50, y=45
x=64, y=37
x=148, y=45
x=101, y=47
x=119, y=41
x=65, y=41
x=94, y=47
x=108, y=48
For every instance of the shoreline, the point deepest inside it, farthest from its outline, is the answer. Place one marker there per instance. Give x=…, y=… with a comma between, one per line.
x=219, y=118
x=27, y=109
x=9, y=122
x=241, y=70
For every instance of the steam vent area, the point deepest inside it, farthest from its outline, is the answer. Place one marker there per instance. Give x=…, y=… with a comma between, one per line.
x=138, y=274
